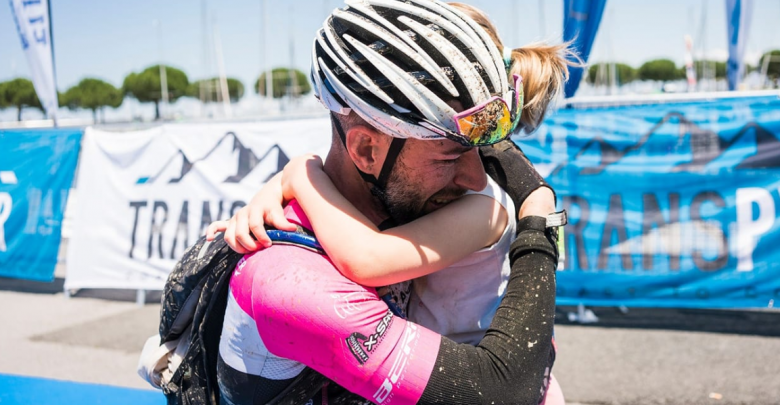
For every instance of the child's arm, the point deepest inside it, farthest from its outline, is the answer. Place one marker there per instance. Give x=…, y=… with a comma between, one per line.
x=373, y=258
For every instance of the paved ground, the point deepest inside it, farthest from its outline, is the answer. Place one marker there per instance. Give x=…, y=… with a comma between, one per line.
x=84, y=339
x=671, y=357
x=647, y=356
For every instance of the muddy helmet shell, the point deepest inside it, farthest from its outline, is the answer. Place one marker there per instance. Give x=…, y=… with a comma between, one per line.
x=403, y=64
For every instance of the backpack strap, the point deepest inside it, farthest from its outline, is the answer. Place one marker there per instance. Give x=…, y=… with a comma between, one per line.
x=301, y=238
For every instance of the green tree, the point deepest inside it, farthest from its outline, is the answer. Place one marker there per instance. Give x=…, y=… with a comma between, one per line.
x=285, y=81
x=93, y=94
x=19, y=93
x=661, y=70
x=625, y=73
x=3, y=99
x=146, y=88
x=211, y=88
x=773, y=67
x=720, y=67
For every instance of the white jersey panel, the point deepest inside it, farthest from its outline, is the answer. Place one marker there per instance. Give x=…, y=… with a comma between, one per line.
x=460, y=301
x=242, y=348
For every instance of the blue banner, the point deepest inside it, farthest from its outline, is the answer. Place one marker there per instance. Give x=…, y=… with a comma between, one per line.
x=36, y=172
x=672, y=205
x=738, y=15
x=581, y=19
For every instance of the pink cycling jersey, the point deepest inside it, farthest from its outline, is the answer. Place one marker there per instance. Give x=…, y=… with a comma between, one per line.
x=306, y=312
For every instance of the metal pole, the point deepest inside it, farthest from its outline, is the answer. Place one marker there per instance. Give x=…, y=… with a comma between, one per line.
x=765, y=68
x=163, y=74
x=53, y=66
x=292, y=88
x=513, y=20
x=204, y=57
x=705, y=84
x=269, y=84
x=612, y=67
x=222, y=77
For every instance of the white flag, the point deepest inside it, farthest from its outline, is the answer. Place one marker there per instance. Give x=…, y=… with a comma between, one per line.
x=32, y=23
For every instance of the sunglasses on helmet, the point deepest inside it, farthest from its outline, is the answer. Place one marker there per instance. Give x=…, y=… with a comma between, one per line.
x=487, y=123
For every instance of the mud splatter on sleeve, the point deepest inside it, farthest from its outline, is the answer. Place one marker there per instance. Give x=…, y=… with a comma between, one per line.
x=510, y=364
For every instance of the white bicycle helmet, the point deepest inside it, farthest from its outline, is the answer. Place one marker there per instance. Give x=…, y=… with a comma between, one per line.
x=400, y=63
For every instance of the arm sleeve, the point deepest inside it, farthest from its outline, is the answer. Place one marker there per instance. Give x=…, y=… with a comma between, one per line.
x=510, y=364
x=508, y=166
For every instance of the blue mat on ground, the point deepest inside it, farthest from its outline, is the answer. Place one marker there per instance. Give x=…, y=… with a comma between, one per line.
x=18, y=390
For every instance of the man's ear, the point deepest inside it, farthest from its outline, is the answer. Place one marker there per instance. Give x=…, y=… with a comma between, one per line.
x=367, y=148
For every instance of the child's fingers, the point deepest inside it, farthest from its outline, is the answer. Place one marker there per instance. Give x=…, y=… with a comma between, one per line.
x=242, y=231
x=230, y=238
x=277, y=219
x=214, y=228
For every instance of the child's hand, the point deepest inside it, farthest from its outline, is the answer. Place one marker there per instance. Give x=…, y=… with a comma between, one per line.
x=215, y=228
x=245, y=231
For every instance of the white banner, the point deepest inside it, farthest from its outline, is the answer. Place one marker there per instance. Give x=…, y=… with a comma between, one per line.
x=32, y=23
x=145, y=196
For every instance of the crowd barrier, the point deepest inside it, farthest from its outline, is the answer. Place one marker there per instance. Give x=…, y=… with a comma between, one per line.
x=36, y=172
x=145, y=196
x=670, y=204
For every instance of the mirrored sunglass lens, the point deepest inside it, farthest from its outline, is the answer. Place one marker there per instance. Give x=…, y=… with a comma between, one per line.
x=488, y=125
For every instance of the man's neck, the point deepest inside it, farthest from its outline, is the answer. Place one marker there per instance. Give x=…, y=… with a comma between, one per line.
x=344, y=175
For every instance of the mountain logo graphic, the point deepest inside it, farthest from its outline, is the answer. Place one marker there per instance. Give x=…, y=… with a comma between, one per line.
x=247, y=161
x=705, y=146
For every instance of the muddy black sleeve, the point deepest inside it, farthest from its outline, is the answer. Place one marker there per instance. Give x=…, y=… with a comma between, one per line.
x=510, y=364
x=508, y=166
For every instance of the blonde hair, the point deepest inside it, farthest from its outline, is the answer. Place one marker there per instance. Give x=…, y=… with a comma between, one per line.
x=543, y=67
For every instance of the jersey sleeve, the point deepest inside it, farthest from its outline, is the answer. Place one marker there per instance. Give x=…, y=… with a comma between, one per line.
x=307, y=311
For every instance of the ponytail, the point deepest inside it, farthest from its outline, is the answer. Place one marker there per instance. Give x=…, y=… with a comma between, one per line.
x=544, y=69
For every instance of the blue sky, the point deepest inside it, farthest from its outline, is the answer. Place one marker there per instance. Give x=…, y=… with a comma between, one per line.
x=110, y=39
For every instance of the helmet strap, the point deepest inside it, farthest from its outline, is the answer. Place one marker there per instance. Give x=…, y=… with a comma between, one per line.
x=387, y=167
x=392, y=156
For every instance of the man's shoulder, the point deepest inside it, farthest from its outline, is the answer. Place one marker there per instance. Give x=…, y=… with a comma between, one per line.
x=281, y=258
x=275, y=273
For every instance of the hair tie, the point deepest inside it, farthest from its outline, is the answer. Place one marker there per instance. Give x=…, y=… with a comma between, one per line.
x=507, y=58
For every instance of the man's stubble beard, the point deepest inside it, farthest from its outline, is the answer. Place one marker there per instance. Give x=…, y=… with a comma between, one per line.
x=400, y=196
x=398, y=202
x=402, y=200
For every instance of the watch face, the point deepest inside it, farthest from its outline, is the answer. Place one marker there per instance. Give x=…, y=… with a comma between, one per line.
x=557, y=219
x=555, y=230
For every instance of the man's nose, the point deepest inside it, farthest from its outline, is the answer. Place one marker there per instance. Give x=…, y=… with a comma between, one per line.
x=470, y=174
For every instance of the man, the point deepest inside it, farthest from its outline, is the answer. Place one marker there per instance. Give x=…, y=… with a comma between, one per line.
x=411, y=88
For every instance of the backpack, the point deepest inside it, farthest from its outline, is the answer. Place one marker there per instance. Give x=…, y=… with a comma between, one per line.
x=193, y=307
